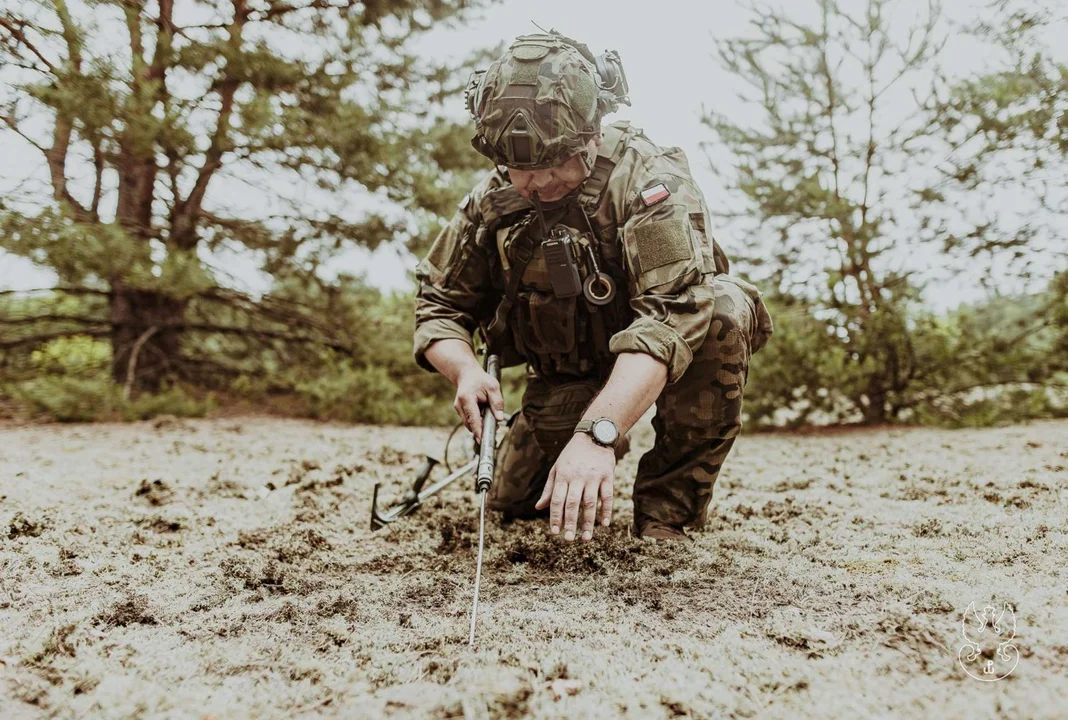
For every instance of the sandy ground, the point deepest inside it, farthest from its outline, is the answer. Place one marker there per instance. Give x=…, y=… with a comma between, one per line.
x=224, y=568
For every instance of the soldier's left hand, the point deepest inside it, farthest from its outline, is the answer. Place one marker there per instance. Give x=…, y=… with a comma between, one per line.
x=581, y=479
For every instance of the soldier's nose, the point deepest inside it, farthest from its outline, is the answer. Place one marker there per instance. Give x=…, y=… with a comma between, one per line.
x=540, y=181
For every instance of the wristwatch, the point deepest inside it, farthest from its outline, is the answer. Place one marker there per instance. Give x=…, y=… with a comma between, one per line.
x=602, y=430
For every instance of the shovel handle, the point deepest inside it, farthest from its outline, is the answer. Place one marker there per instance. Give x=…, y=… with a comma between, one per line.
x=421, y=478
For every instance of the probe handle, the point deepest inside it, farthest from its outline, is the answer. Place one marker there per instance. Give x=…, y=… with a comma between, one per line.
x=488, y=447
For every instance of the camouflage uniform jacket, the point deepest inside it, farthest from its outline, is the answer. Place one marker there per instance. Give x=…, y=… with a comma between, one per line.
x=651, y=222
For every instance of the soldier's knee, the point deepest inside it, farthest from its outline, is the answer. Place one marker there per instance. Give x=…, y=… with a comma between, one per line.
x=740, y=310
x=731, y=320
x=729, y=327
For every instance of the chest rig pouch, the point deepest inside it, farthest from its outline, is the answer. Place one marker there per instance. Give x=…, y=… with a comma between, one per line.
x=563, y=266
x=544, y=320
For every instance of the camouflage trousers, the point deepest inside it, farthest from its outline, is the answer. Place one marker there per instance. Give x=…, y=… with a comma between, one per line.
x=697, y=420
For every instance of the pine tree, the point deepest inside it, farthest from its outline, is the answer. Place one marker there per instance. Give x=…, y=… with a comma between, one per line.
x=863, y=156
x=162, y=122
x=818, y=176
x=1007, y=128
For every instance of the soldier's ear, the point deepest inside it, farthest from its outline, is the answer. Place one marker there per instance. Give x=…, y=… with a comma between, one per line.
x=598, y=139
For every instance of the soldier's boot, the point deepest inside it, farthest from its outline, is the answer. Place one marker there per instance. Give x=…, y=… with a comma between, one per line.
x=699, y=416
x=652, y=529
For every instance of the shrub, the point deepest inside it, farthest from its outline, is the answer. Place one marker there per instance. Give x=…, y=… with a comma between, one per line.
x=68, y=399
x=73, y=399
x=75, y=356
x=370, y=395
x=174, y=400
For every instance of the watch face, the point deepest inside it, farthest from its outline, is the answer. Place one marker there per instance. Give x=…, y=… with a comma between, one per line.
x=604, y=432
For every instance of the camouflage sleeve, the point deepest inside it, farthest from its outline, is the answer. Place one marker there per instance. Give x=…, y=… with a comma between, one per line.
x=453, y=281
x=665, y=251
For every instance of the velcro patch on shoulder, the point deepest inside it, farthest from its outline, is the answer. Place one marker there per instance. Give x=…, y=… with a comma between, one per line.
x=657, y=193
x=661, y=243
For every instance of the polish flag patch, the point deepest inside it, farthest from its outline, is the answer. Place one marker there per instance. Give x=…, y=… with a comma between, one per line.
x=657, y=193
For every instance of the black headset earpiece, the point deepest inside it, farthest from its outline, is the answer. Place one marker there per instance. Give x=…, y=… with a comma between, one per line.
x=610, y=76
x=614, y=86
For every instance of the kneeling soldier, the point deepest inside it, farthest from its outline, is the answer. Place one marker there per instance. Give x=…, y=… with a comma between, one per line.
x=586, y=256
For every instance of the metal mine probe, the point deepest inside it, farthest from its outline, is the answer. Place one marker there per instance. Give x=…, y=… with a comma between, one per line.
x=483, y=465
x=487, y=456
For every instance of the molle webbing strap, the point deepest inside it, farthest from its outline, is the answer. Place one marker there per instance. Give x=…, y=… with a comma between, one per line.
x=613, y=145
x=600, y=334
x=498, y=208
x=522, y=252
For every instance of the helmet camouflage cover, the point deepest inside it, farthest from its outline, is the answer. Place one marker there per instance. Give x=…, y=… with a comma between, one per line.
x=536, y=106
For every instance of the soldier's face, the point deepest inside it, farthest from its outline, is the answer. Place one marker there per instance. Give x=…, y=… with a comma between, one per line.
x=553, y=183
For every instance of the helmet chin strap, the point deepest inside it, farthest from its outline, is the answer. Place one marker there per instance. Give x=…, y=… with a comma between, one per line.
x=588, y=160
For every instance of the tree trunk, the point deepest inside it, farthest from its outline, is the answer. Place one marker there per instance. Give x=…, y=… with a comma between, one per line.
x=134, y=312
x=875, y=410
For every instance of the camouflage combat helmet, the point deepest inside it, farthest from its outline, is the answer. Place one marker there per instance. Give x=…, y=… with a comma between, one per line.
x=542, y=102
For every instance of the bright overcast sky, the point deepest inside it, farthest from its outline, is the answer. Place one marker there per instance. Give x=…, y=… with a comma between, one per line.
x=666, y=48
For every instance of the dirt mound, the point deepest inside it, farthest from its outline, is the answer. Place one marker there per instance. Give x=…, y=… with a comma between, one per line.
x=23, y=526
x=131, y=610
x=155, y=492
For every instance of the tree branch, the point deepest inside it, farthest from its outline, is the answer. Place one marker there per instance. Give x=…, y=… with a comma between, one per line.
x=56, y=155
x=211, y=366
x=65, y=290
x=269, y=334
x=869, y=154
x=132, y=10
x=286, y=312
x=20, y=37
x=43, y=338
x=131, y=366
x=48, y=317
x=187, y=212
x=278, y=9
x=164, y=45
x=12, y=123
x=183, y=326
x=70, y=34
x=832, y=95
x=98, y=182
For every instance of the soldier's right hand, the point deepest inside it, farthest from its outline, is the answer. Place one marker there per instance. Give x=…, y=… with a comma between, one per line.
x=475, y=389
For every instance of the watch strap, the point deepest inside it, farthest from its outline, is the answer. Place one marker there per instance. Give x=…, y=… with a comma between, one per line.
x=585, y=426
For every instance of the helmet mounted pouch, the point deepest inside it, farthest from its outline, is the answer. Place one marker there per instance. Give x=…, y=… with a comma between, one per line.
x=530, y=51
